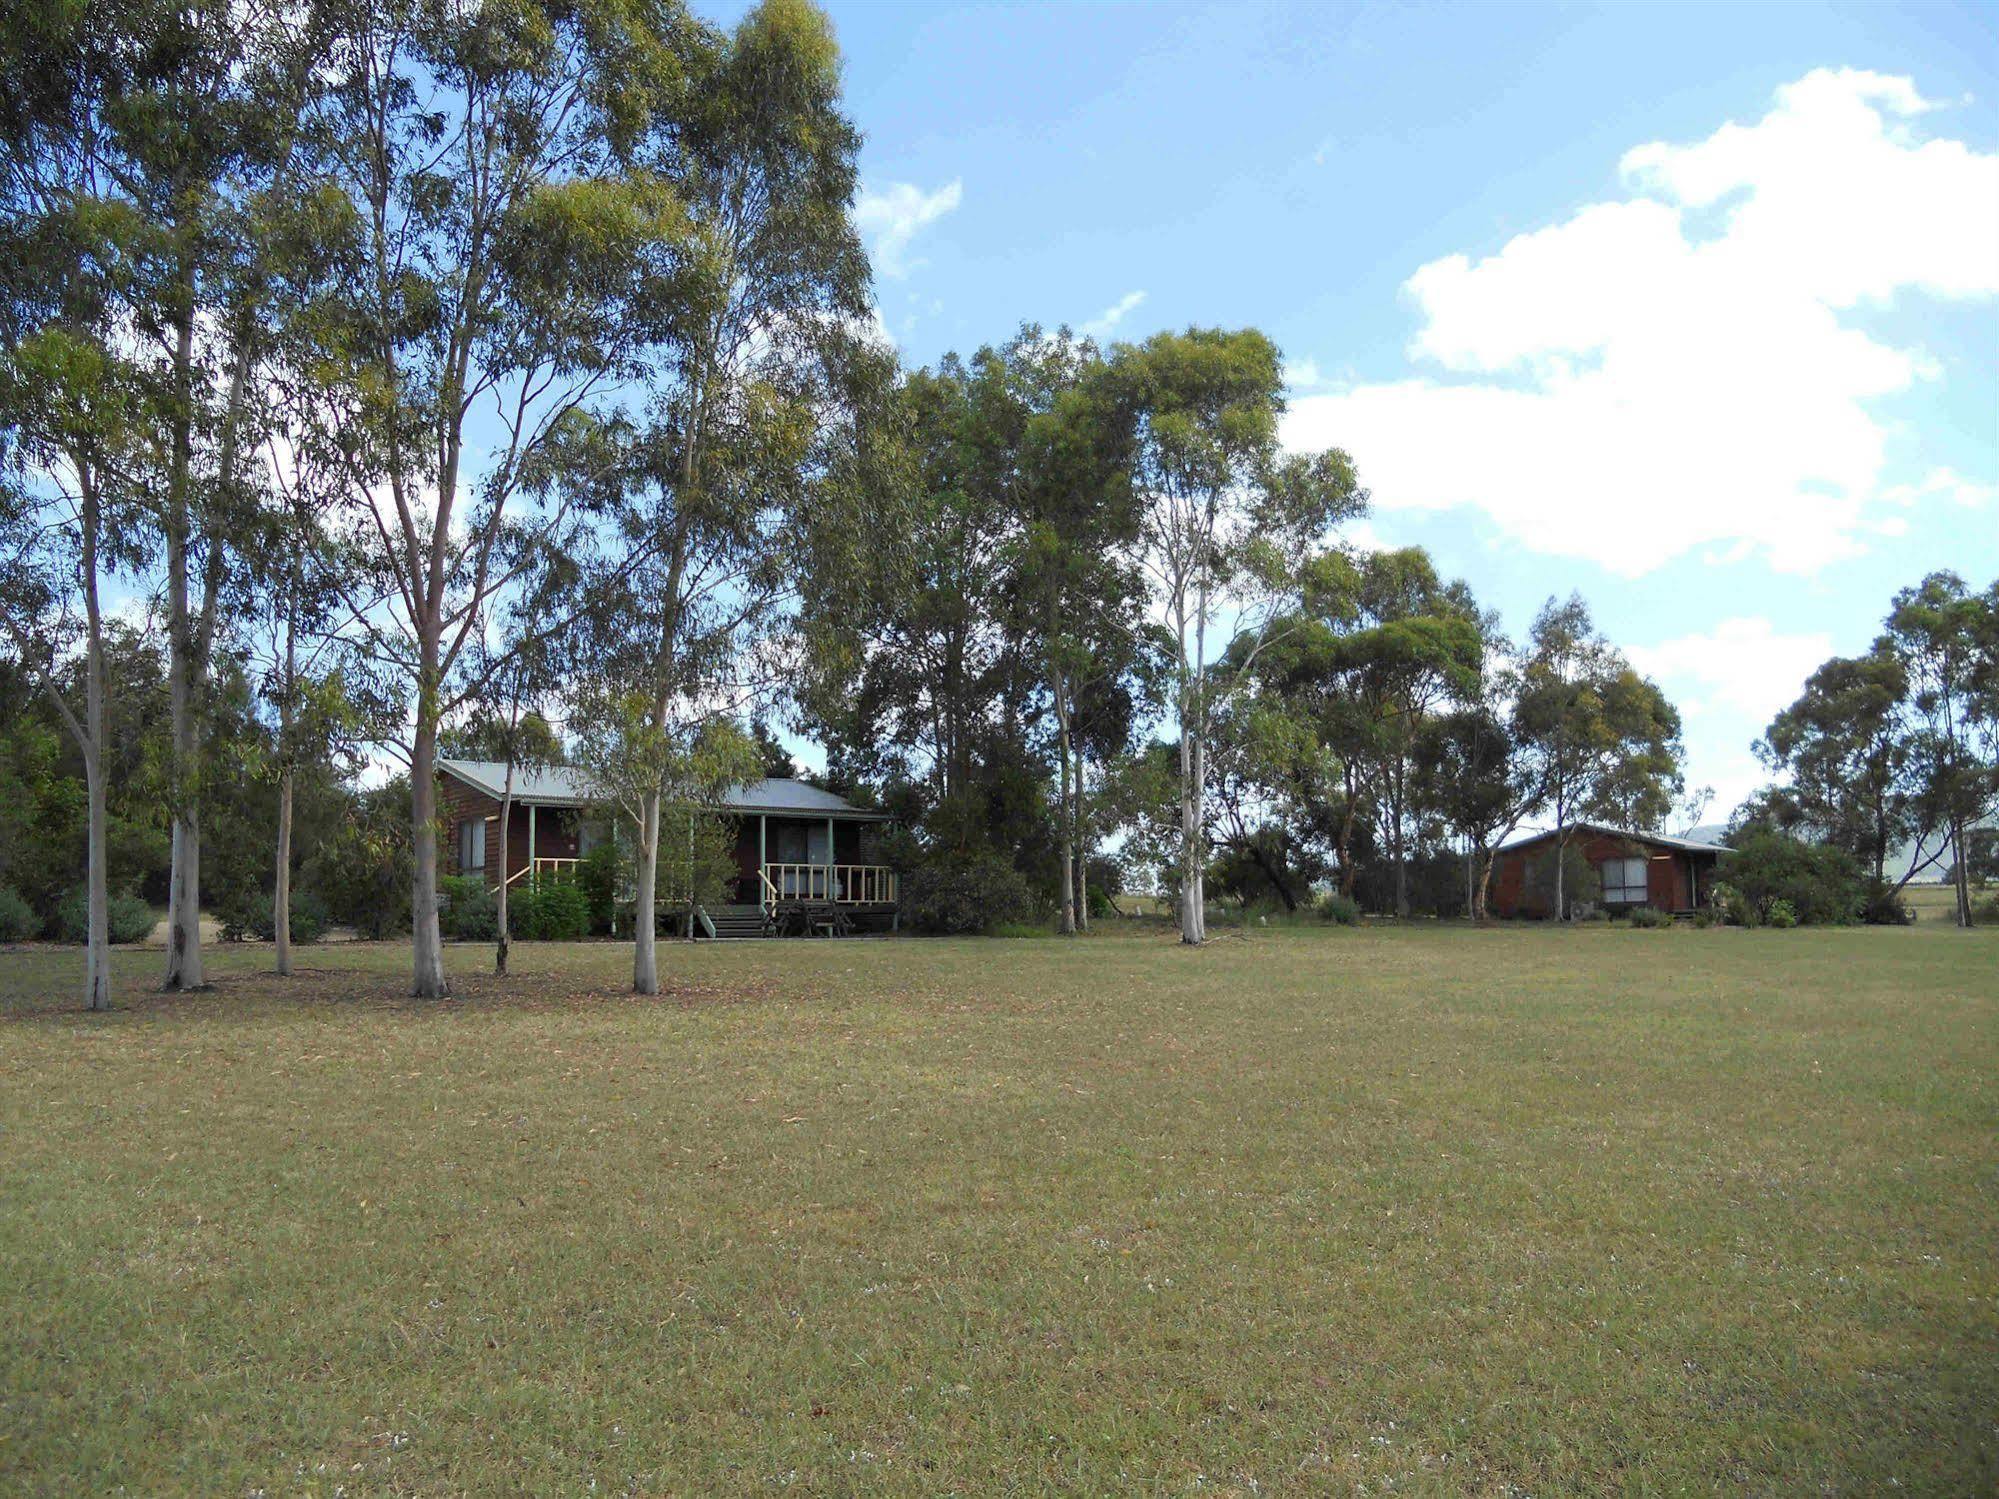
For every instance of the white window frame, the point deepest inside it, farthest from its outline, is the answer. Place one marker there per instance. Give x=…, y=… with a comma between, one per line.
x=1618, y=886
x=471, y=840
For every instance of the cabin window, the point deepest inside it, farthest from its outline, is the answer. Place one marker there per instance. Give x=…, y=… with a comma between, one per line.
x=1624, y=882
x=472, y=847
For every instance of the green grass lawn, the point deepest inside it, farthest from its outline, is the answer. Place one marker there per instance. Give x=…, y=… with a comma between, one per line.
x=1427, y=1208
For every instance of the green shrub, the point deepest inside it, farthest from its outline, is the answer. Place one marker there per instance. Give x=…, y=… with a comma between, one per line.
x=1884, y=907
x=1781, y=913
x=1703, y=919
x=549, y=913
x=966, y=893
x=1341, y=910
x=251, y=916
x=467, y=911
x=1649, y=917
x=1985, y=912
x=130, y=919
x=17, y=918
x=598, y=877
x=1822, y=885
x=1730, y=907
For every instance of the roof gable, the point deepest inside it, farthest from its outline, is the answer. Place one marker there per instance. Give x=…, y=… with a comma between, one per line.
x=1653, y=840
x=569, y=786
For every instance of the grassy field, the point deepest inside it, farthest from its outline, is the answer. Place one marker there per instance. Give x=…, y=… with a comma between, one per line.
x=1426, y=1209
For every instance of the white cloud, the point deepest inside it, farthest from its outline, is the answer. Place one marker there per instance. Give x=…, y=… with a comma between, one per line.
x=1105, y=322
x=1669, y=372
x=892, y=216
x=1741, y=666
x=1303, y=375
x=1944, y=484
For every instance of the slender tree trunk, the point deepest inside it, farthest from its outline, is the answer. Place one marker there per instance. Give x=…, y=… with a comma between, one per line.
x=1066, y=818
x=426, y=939
x=1963, y=881
x=1561, y=862
x=645, y=956
x=183, y=969
x=1401, y=852
x=281, y=885
x=1193, y=883
x=502, y=935
x=1482, y=898
x=1082, y=853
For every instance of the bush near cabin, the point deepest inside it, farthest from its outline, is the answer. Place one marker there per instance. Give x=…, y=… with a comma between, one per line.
x=1776, y=878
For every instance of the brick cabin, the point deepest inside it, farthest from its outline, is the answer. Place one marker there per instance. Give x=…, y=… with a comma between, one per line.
x=796, y=843
x=1674, y=875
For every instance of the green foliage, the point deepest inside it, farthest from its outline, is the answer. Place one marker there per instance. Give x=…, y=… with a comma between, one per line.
x=309, y=919
x=554, y=911
x=1781, y=914
x=1340, y=909
x=18, y=921
x=966, y=893
x=130, y=919
x=1819, y=884
x=1581, y=881
x=600, y=876
x=363, y=865
x=467, y=910
x=1885, y=907
x=1648, y=917
x=1730, y=906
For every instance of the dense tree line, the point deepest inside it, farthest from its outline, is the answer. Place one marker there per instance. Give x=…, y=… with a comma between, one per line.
x=382, y=374
x=1891, y=759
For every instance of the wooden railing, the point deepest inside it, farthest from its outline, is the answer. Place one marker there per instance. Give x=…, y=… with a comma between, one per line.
x=843, y=884
x=541, y=869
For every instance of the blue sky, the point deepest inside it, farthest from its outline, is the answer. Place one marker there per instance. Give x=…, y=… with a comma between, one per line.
x=1735, y=385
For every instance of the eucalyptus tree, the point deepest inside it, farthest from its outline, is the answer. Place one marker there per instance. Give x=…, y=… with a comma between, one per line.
x=297, y=638
x=1061, y=465
x=758, y=359
x=1604, y=739
x=1946, y=638
x=520, y=667
x=75, y=410
x=1416, y=645
x=1224, y=517
x=496, y=225
x=196, y=127
x=1844, y=750
x=1475, y=769
x=910, y=660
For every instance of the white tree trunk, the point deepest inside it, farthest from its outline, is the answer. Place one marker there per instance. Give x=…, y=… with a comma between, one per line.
x=97, y=948
x=1082, y=853
x=1963, y=879
x=645, y=935
x=502, y=937
x=281, y=898
x=426, y=940
x=1193, y=889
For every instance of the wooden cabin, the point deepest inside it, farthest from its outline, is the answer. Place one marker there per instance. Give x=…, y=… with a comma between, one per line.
x=798, y=847
x=1674, y=875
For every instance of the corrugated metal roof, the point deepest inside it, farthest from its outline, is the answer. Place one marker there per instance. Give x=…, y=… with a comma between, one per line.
x=569, y=786
x=1690, y=845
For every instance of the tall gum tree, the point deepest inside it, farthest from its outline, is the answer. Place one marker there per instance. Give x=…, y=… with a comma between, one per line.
x=75, y=410
x=1224, y=519
x=496, y=231
x=757, y=356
